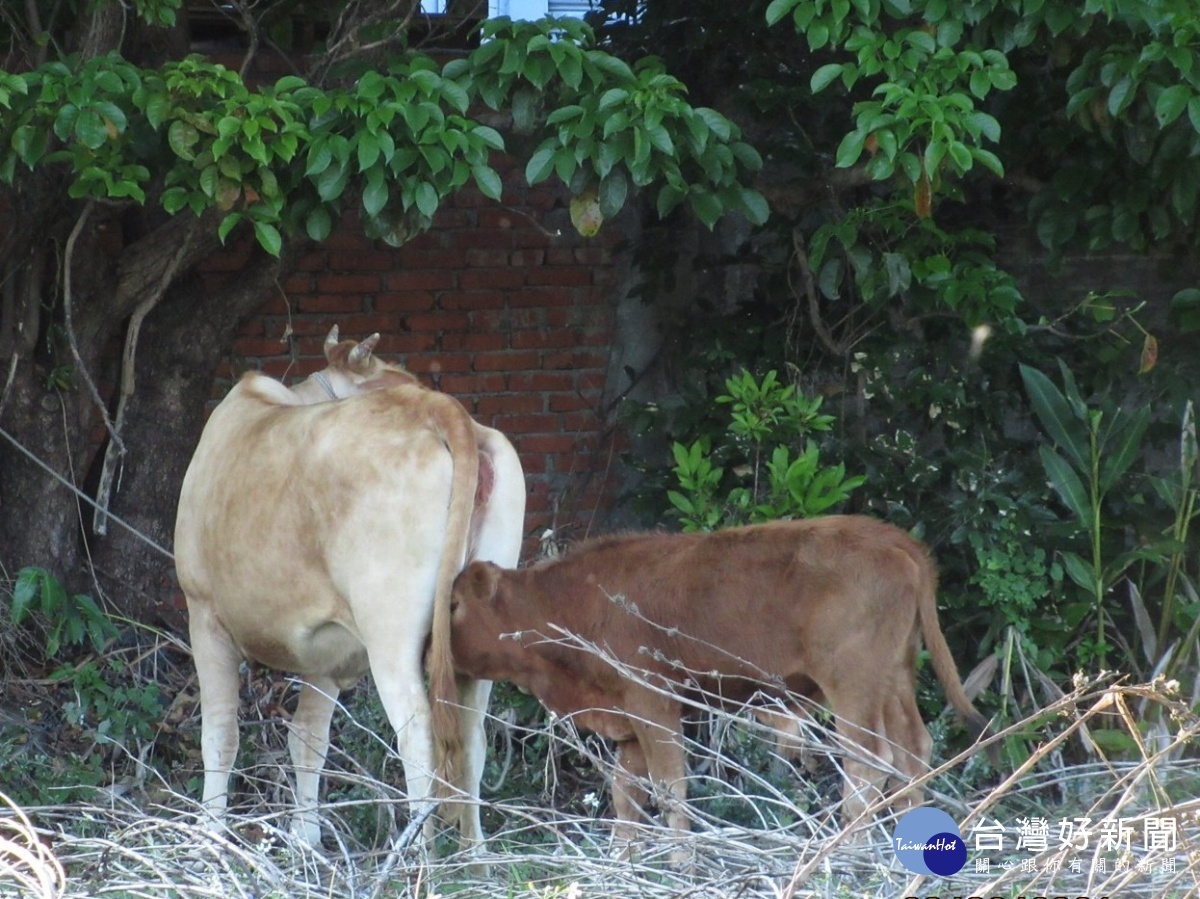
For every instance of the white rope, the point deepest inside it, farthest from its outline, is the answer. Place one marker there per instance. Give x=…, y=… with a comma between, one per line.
x=83, y=496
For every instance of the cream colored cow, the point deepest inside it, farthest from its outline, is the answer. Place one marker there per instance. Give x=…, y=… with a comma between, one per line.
x=319, y=530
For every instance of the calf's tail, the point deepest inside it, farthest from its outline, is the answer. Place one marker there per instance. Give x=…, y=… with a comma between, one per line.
x=939, y=651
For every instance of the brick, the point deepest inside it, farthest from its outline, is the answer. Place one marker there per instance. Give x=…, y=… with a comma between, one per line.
x=483, y=239
x=313, y=262
x=543, y=444
x=576, y=361
x=331, y=303
x=545, y=381
x=568, y=402
x=403, y=301
x=593, y=381
x=436, y=239
x=506, y=361
x=298, y=282
x=433, y=260
x=511, y=403
x=357, y=261
x=508, y=319
x=591, y=256
x=258, y=347
x=438, y=321
x=495, y=218
x=503, y=278
x=532, y=463
x=340, y=282
x=528, y=423
x=542, y=296
x=540, y=340
x=581, y=315
x=475, y=299
x=392, y=343
x=478, y=258
x=419, y=280
x=472, y=384
x=584, y=420
x=436, y=364
x=527, y=258
x=560, y=276
x=478, y=341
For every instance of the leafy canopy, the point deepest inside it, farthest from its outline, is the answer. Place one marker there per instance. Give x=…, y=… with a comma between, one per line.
x=290, y=156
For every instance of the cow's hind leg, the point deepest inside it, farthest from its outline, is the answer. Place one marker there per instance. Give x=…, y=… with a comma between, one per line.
x=308, y=742
x=400, y=680
x=217, y=660
x=473, y=695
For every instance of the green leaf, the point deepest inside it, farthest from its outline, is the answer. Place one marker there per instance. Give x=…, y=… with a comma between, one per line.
x=368, y=150
x=778, y=9
x=490, y=136
x=228, y=223
x=1067, y=485
x=825, y=75
x=1053, y=411
x=426, y=197
x=25, y=591
x=1119, y=448
x=614, y=188
x=488, y=181
x=269, y=237
x=850, y=149
x=1171, y=103
x=318, y=223
x=540, y=164
x=375, y=193
x=90, y=129
x=1080, y=572
x=755, y=206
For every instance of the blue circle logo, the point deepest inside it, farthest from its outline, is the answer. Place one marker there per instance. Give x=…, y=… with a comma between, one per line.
x=927, y=841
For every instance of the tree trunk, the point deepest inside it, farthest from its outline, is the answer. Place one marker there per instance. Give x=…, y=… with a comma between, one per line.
x=42, y=522
x=181, y=344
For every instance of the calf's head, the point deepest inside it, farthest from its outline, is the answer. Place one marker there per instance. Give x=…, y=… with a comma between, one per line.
x=479, y=616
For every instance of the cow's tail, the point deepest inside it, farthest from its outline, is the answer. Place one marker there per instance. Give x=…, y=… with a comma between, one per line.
x=939, y=651
x=457, y=431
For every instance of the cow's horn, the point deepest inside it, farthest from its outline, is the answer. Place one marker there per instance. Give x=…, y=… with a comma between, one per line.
x=362, y=351
x=331, y=341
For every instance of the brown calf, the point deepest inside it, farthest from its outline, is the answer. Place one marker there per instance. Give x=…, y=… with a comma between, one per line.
x=618, y=630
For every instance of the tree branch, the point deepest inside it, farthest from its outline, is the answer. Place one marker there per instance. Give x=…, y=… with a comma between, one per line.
x=128, y=381
x=810, y=290
x=69, y=326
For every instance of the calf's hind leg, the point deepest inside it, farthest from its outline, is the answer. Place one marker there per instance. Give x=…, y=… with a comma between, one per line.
x=859, y=712
x=912, y=747
x=629, y=791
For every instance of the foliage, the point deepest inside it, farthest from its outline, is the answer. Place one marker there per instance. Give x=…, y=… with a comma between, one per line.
x=1093, y=449
x=69, y=620
x=107, y=702
x=769, y=421
x=1128, y=72
x=401, y=138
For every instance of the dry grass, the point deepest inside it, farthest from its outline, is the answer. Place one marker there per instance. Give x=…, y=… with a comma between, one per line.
x=754, y=834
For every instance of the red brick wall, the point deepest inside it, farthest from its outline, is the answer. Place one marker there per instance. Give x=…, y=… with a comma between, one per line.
x=491, y=306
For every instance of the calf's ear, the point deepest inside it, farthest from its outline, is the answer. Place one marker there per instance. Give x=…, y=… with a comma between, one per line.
x=482, y=579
